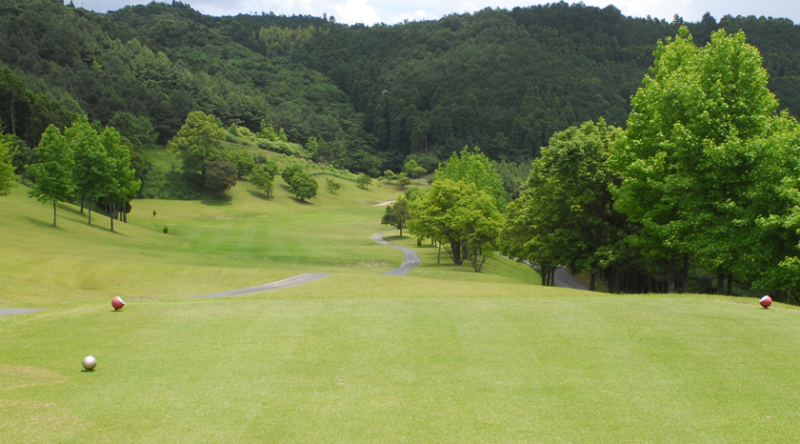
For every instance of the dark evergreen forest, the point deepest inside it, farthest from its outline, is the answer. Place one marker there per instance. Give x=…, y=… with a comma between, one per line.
x=502, y=80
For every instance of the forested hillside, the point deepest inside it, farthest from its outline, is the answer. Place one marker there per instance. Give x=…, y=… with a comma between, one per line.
x=502, y=80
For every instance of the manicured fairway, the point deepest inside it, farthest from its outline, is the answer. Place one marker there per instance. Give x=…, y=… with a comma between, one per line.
x=441, y=355
x=536, y=368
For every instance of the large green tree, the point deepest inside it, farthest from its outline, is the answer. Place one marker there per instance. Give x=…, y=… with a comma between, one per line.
x=124, y=184
x=303, y=187
x=93, y=172
x=475, y=168
x=565, y=216
x=460, y=217
x=54, y=171
x=397, y=214
x=261, y=177
x=686, y=152
x=198, y=144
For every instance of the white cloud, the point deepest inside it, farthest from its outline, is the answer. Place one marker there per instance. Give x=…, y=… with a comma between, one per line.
x=357, y=11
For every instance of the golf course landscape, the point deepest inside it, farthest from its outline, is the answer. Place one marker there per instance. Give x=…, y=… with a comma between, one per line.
x=443, y=354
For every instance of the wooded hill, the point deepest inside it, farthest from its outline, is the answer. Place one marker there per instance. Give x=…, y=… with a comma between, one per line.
x=502, y=80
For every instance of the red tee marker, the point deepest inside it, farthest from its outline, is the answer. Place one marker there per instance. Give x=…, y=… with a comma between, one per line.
x=117, y=303
x=765, y=302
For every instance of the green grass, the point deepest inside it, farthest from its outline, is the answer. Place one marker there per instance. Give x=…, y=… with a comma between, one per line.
x=441, y=355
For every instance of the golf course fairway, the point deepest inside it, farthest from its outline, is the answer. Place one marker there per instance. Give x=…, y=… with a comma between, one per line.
x=442, y=354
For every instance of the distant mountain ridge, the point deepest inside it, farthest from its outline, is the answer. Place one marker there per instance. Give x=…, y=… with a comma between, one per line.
x=502, y=80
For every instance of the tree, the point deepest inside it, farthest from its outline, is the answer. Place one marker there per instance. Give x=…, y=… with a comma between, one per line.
x=565, y=216
x=303, y=187
x=244, y=162
x=389, y=175
x=7, y=177
x=262, y=178
x=474, y=167
x=403, y=180
x=685, y=156
x=197, y=143
x=220, y=176
x=460, y=217
x=54, y=171
x=289, y=172
x=332, y=185
x=397, y=214
x=124, y=184
x=137, y=129
x=93, y=170
x=363, y=181
x=414, y=169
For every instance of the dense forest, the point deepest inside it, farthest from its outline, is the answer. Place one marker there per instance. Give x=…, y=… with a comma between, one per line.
x=502, y=80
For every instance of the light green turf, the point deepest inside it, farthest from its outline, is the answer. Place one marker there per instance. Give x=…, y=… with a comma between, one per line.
x=441, y=355
x=540, y=368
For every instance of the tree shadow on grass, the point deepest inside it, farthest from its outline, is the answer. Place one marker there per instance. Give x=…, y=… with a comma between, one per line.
x=260, y=195
x=41, y=223
x=302, y=202
x=217, y=201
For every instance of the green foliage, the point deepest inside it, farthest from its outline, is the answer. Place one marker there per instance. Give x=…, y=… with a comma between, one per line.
x=462, y=218
x=243, y=160
x=474, y=167
x=283, y=41
x=688, y=149
x=403, y=180
x=514, y=176
x=290, y=171
x=262, y=178
x=136, y=129
x=93, y=173
x=565, y=216
x=123, y=183
x=220, y=176
x=166, y=229
x=332, y=185
x=414, y=194
x=54, y=171
x=364, y=181
x=7, y=177
x=303, y=187
x=288, y=148
x=267, y=132
x=197, y=143
x=413, y=169
x=397, y=214
x=389, y=175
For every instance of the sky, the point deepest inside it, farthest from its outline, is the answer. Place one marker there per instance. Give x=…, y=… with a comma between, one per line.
x=370, y=12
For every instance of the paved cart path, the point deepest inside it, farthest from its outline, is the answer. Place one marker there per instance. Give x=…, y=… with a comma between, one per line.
x=563, y=279
x=283, y=283
x=410, y=257
x=18, y=311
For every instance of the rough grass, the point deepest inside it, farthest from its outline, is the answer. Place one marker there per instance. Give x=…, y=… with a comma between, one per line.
x=441, y=355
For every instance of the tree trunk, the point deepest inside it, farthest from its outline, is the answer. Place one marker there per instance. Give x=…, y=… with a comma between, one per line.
x=13, y=124
x=685, y=273
x=591, y=281
x=401, y=231
x=439, y=257
x=83, y=199
x=729, y=291
x=112, y=216
x=90, y=211
x=720, y=282
x=671, y=274
x=54, y=213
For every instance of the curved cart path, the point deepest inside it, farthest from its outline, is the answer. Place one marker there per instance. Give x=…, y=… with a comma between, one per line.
x=563, y=279
x=410, y=257
x=18, y=311
x=283, y=283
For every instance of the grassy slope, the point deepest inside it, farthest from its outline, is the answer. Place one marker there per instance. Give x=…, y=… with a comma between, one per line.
x=441, y=355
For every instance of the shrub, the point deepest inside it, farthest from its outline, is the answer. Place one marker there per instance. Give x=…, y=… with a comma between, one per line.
x=166, y=229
